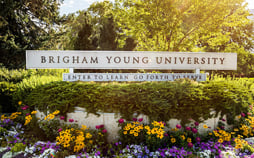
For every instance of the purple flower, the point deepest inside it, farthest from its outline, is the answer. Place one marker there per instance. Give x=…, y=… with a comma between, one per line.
x=121, y=121
x=61, y=117
x=194, y=130
x=104, y=131
x=60, y=129
x=190, y=145
x=134, y=119
x=242, y=114
x=188, y=128
x=198, y=139
x=178, y=126
x=71, y=120
x=140, y=119
x=196, y=123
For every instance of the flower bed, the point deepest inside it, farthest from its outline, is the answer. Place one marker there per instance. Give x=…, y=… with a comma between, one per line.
x=24, y=135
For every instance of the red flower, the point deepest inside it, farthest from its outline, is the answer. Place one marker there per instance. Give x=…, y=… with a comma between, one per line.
x=243, y=114
x=97, y=127
x=71, y=120
x=60, y=129
x=101, y=126
x=140, y=120
x=61, y=117
x=134, y=119
x=178, y=126
x=121, y=120
x=196, y=123
x=104, y=131
x=198, y=139
x=27, y=114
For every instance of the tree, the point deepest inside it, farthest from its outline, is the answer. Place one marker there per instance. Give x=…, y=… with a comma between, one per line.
x=188, y=25
x=169, y=25
x=24, y=25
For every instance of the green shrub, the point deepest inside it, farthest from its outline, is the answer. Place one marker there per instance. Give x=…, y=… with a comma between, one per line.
x=28, y=84
x=182, y=99
x=17, y=75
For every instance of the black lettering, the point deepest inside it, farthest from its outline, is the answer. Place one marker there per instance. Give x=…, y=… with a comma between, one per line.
x=168, y=60
x=73, y=59
x=84, y=60
x=67, y=60
x=222, y=60
x=117, y=61
x=125, y=61
x=145, y=60
x=109, y=59
x=51, y=59
x=94, y=60
x=43, y=59
x=215, y=60
x=196, y=60
x=181, y=59
x=202, y=60
x=135, y=60
x=157, y=61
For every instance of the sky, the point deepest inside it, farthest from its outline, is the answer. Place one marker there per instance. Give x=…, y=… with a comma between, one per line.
x=71, y=6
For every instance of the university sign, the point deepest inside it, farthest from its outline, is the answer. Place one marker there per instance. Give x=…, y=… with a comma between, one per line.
x=128, y=60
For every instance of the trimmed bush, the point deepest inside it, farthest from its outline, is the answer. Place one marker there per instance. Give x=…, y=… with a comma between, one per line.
x=182, y=99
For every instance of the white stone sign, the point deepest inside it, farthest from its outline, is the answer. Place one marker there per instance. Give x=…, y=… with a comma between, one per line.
x=131, y=76
x=130, y=60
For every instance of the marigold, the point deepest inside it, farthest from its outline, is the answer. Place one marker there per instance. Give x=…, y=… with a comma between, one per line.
x=189, y=140
x=205, y=126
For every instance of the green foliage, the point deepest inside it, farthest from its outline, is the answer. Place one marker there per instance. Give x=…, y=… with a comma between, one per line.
x=183, y=99
x=27, y=85
x=18, y=147
x=50, y=128
x=25, y=25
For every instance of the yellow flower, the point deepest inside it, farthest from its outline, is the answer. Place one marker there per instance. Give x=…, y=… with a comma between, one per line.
x=3, y=117
x=220, y=140
x=28, y=119
x=91, y=141
x=205, y=126
x=84, y=127
x=239, y=146
x=88, y=135
x=56, y=112
x=173, y=140
x=189, y=140
x=20, y=102
x=210, y=133
x=125, y=132
x=131, y=131
x=183, y=137
x=33, y=112
x=135, y=134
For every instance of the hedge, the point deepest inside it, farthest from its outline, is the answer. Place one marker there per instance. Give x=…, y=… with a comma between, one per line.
x=182, y=99
x=16, y=84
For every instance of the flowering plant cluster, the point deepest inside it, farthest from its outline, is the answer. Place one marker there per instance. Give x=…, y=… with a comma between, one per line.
x=137, y=138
